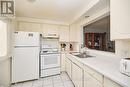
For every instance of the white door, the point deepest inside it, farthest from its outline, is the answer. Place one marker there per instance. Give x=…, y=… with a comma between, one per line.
x=50, y=61
x=25, y=64
x=26, y=39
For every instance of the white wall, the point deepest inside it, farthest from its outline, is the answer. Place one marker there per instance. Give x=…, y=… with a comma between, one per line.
x=5, y=64
x=5, y=72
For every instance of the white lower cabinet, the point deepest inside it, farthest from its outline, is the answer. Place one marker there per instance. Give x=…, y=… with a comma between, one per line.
x=63, y=62
x=110, y=83
x=77, y=75
x=68, y=67
x=90, y=81
x=94, y=73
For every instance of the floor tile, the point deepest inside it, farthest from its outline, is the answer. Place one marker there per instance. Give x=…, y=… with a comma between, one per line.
x=37, y=83
x=57, y=79
x=47, y=81
x=68, y=84
x=48, y=86
x=58, y=85
x=53, y=81
x=28, y=84
x=17, y=85
x=65, y=77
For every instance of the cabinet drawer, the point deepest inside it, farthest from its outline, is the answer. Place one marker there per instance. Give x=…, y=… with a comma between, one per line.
x=95, y=74
x=77, y=62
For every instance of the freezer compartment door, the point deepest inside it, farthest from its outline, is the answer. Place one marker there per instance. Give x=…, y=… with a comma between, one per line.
x=25, y=64
x=26, y=39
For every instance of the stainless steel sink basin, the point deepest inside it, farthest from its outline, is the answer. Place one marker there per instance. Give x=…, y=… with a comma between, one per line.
x=83, y=56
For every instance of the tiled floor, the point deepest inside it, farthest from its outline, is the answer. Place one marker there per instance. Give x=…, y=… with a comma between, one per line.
x=53, y=81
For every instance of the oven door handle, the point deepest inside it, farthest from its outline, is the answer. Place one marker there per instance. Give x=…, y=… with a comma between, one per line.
x=50, y=53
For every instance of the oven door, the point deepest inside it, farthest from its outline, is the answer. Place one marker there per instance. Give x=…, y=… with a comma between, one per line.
x=49, y=61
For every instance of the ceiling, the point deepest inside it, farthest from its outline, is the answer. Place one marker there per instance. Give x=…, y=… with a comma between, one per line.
x=98, y=7
x=59, y=10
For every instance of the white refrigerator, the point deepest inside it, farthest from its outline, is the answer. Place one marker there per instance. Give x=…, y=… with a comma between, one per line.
x=25, y=60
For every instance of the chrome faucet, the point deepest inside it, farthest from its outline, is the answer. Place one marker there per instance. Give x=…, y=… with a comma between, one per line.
x=83, y=49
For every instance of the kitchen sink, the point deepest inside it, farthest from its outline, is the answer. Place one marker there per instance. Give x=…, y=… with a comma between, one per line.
x=83, y=56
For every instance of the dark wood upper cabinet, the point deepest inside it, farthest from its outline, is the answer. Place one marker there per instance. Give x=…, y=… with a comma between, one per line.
x=95, y=41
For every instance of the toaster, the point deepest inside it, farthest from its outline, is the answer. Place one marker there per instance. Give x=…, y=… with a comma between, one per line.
x=125, y=66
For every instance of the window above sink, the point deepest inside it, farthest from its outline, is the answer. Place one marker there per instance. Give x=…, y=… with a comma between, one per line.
x=97, y=35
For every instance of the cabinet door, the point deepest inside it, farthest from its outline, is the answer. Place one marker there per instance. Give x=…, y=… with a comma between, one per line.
x=28, y=26
x=90, y=81
x=73, y=33
x=77, y=76
x=64, y=33
x=110, y=83
x=76, y=32
x=63, y=62
x=120, y=19
x=99, y=77
x=50, y=29
x=68, y=67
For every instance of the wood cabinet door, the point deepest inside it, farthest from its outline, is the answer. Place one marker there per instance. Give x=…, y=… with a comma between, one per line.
x=90, y=81
x=120, y=19
x=110, y=83
x=68, y=67
x=63, y=62
x=77, y=76
x=73, y=33
x=50, y=29
x=64, y=33
x=28, y=26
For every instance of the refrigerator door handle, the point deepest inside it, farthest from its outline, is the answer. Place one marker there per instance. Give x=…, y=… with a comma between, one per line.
x=30, y=35
x=16, y=32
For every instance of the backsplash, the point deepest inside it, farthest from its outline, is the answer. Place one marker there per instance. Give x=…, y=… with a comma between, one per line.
x=123, y=48
x=70, y=46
